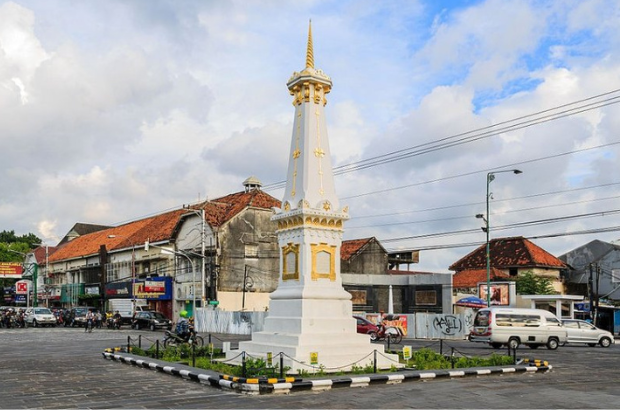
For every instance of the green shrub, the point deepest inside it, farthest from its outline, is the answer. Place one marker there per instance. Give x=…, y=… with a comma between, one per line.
x=422, y=359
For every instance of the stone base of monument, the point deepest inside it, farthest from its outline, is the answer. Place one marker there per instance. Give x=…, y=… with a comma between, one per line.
x=323, y=339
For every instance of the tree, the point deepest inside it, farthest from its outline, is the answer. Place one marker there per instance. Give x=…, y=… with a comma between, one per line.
x=30, y=239
x=530, y=284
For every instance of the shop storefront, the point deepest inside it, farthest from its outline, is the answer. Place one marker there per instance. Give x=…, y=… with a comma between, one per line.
x=157, y=292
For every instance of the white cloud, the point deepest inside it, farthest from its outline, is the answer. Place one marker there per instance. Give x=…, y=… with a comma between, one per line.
x=115, y=110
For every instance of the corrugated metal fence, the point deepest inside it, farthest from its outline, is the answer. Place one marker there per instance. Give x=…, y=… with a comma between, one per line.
x=415, y=326
x=235, y=323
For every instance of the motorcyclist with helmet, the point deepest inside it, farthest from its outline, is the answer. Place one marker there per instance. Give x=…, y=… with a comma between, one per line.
x=182, y=329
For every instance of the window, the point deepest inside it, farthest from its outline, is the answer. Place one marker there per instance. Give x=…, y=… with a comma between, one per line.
x=482, y=318
x=572, y=325
x=517, y=320
x=615, y=275
x=425, y=297
x=251, y=250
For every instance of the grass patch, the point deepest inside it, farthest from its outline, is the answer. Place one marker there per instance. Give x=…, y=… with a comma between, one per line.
x=422, y=359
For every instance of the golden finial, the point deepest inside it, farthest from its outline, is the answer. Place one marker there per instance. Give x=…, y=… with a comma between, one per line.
x=309, y=52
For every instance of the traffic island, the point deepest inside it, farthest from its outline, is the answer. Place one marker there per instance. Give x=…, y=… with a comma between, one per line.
x=289, y=385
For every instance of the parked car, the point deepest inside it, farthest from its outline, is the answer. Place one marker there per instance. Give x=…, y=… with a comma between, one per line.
x=365, y=326
x=152, y=320
x=580, y=331
x=77, y=315
x=39, y=316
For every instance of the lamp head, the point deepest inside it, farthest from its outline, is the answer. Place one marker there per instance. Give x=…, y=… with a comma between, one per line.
x=517, y=171
x=479, y=216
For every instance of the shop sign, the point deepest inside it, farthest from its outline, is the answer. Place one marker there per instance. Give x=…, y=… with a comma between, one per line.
x=11, y=270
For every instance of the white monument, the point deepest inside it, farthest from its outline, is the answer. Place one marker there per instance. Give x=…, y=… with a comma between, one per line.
x=310, y=314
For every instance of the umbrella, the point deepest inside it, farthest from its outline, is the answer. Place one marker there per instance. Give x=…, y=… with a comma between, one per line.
x=472, y=302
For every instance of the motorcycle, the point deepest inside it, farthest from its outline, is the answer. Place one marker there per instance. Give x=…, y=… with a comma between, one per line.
x=392, y=334
x=190, y=337
x=114, y=323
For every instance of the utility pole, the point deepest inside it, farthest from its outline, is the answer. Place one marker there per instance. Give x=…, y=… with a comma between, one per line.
x=203, y=295
x=598, y=276
x=591, y=294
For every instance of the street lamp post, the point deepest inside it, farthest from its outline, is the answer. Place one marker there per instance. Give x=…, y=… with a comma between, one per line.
x=487, y=227
x=203, y=296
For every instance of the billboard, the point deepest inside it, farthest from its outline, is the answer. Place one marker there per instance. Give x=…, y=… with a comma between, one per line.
x=500, y=293
x=11, y=270
x=157, y=288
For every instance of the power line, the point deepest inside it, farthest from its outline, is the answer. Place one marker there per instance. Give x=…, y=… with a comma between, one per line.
x=480, y=133
x=505, y=227
x=469, y=216
x=547, y=236
x=482, y=203
x=381, y=191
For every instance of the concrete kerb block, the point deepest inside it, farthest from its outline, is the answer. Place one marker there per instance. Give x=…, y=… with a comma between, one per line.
x=324, y=384
x=360, y=381
x=395, y=378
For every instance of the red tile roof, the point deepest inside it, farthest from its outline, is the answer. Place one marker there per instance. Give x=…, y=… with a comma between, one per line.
x=156, y=228
x=352, y=247
x=39, y=253
x=161, y=227
x=471, y=277
x=221, y=210
x=516, y=252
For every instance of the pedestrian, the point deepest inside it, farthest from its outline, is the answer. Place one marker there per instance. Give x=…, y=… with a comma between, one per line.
x=98, y=319
x=89, y=320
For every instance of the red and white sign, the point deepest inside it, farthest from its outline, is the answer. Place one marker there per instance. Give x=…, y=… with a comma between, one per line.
x=22, y=286
x=12, y=270
x=153, y=286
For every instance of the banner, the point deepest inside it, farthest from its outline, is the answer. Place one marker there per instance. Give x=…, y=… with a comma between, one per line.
x=11, y=270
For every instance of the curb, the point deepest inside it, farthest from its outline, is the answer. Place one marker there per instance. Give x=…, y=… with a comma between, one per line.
x=291, y=385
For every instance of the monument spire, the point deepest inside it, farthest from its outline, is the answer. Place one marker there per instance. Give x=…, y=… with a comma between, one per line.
x=309, y=49
x=310, y=180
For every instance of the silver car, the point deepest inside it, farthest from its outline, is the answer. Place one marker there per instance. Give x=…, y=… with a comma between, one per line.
x=39, y=316
x=580, y=331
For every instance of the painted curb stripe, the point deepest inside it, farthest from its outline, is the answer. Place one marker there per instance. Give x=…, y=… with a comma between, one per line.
x=290, y=384
x=307, y=385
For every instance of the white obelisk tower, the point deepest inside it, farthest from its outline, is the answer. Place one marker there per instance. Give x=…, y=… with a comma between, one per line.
x=310, y=314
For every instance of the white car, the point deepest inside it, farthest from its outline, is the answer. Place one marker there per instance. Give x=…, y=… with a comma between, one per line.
x=39, y=316
x=580, y=331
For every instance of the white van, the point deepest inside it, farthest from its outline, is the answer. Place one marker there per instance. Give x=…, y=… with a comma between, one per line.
x=499, y=326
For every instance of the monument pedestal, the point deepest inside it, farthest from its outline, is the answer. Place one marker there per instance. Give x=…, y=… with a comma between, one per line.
x=323, y=329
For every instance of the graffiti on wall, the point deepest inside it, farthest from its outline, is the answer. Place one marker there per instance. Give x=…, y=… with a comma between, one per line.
x=449, y=325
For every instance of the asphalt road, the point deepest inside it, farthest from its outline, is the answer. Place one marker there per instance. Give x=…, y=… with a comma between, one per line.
x=64, y=368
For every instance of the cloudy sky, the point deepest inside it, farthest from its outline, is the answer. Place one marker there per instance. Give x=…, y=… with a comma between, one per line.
x=111, y=111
